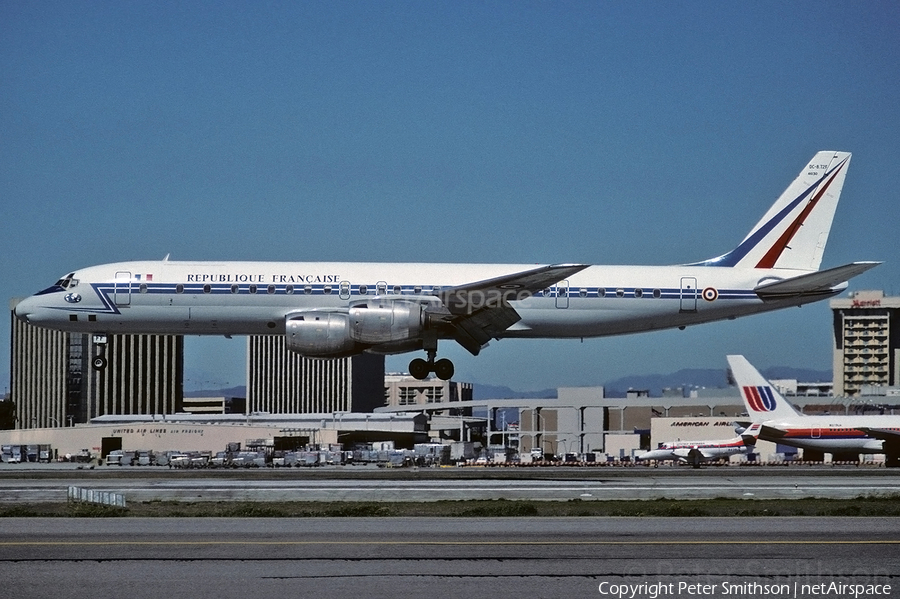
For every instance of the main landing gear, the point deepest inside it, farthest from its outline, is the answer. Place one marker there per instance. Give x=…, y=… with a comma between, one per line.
x=420, y=368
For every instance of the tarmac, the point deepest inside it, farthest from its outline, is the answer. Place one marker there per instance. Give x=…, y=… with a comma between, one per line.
x=376, y=558
x=30, y=483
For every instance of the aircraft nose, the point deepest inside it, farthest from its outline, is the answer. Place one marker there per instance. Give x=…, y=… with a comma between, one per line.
x=23, y=310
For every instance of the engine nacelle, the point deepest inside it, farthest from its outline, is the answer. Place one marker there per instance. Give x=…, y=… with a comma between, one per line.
x=320, y=335
x=386, y=323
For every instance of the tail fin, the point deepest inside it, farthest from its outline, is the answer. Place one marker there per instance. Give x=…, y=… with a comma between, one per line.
x=763, y=401
x=794, y=231
x=751, y=435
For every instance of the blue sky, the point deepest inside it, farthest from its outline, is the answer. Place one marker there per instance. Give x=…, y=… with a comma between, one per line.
x=601, y=132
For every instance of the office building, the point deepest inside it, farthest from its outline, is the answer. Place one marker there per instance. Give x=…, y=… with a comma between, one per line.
x=406, y=390
x=283, y=382
x=54, y=384
x=866, y=342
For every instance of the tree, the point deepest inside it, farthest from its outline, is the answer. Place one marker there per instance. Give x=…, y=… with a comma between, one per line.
x=7, y=414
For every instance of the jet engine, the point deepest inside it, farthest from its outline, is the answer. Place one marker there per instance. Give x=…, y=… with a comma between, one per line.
x=387, y=322
x=320, y=335
x=323, y=334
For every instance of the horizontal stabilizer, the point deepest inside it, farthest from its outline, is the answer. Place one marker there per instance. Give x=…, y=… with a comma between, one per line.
x=823, y=281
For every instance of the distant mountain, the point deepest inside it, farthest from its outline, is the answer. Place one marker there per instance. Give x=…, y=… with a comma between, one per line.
x=500, y=392
x=239, y=391
x=803, y=375
x=655, y=383
x=704, y=377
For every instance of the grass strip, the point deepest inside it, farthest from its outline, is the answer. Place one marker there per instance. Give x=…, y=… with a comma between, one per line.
x=880, y=506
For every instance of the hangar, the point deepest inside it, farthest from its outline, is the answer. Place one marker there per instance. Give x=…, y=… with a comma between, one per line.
x=193, y=432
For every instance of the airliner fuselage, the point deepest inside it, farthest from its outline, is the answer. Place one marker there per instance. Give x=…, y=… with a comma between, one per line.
x=253, y=298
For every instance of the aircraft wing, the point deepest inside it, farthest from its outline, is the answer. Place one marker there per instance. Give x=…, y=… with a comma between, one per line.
x=693, y=456
x=814, y=283
x=885, y=434
x=699, y=454
x=480, y=311
x=468, y=298
x=770, y=433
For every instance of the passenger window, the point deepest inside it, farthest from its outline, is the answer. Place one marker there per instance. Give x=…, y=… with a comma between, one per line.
x=179, y=288
x=270, y=289
x=363, y=290
x=252, y=288
x=289, y=289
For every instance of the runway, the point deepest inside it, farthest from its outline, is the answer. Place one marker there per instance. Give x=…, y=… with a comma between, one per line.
x=433, y=485
x=447, y=557
x=444, y=557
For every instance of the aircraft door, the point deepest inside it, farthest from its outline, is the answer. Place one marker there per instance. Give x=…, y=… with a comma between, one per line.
x=562, y=294
x=688, y=294
x=122, y=288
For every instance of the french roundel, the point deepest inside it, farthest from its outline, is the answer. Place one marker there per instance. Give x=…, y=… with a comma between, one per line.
x=710, y=294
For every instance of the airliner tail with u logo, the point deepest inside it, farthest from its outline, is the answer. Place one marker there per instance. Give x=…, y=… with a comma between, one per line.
x=843, y=435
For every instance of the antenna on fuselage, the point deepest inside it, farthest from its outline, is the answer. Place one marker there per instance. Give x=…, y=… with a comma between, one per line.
x=166, y=259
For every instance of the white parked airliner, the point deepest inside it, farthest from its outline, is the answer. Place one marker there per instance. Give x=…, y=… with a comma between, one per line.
x=834, y=433
x=329, y=310
x=697, y=452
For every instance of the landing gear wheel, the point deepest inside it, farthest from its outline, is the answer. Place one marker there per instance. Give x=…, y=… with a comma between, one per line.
x=443, y=368
x=99, y=363
x=419, y=369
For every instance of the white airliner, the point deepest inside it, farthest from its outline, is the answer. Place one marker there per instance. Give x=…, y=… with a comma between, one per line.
x=836, y=434
x=697, y=452
x=329, y=310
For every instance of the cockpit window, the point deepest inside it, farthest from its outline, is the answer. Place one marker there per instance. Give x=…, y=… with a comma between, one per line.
x=67, y=281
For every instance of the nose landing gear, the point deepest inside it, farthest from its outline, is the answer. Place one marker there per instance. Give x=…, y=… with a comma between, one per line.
x=99, y=360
